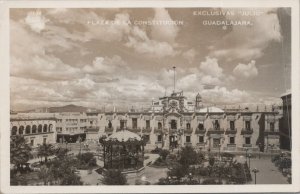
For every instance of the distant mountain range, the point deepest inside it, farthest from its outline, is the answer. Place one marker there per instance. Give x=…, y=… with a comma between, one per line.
x=67, y=108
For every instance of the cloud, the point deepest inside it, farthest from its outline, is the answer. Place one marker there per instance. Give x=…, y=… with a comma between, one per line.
x=140, y=42
x=189, y=55
x=189, y=83
x=246, y=71
x=107, y=33
x=248, y=42
x=36, y=21
x=106, y=65
x=211, y=67
x=163, y=33
x=221, y=95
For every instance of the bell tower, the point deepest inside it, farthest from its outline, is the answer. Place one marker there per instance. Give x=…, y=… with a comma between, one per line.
x=198, y=103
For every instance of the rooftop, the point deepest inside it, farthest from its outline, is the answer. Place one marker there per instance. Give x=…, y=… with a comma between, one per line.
x=124, y=135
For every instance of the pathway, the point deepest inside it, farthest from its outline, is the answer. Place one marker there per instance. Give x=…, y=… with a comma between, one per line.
x=268, y=172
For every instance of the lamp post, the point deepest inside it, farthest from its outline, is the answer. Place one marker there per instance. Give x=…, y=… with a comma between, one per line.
x=66, y=144
x=249, y=157
x=255, y=171
x=79, y=145
x=259, y=145
x=71, y=144
x=169, y=180
x=219, y=151
x=190, y=176
x=246, y=153
x=219, y=167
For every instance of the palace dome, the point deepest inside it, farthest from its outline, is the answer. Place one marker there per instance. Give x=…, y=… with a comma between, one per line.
x=124, y=135
x=211, y=109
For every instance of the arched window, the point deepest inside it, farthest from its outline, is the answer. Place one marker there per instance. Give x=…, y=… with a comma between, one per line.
x=188, y=125
x=40, y=128
x=109, y=124
x=159, y=125
x=14, y=130
x=50, y=127
x=33, y=129
x=21, y=129
x=27, y=129
x=45, y=128
x=200, y=126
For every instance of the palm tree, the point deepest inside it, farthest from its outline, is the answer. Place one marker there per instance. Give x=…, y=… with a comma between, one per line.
x=19, y=151
x=45, y=150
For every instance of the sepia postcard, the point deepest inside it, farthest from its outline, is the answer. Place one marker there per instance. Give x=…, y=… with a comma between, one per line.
x=149, y=96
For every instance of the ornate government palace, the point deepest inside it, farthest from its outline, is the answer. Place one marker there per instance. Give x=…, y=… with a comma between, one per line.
x=171, y=122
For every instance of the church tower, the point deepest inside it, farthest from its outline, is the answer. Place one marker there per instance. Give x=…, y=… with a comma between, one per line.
x=198, y=103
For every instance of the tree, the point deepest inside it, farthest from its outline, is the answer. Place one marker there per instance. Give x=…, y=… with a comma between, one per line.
x=86, y=160
x=45, y=174
x=114, y=177
x=62, y=171
x=188, y=156
x=178, y=171
x=46, y=150
x=19, y=151
x=61, y=153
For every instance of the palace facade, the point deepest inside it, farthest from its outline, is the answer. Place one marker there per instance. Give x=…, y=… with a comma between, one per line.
x=171, y=122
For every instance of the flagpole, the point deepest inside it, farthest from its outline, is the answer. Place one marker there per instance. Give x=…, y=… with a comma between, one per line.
x=174, y=68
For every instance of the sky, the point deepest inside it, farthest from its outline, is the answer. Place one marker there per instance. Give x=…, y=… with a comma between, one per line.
x=112, y=57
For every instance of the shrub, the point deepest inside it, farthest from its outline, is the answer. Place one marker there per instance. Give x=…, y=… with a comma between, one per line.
x=202, y=171
x=163, y=181
x=211, y=160
x=285, y=163
x=156, y=150
x=247, y=171
x=275, y=158
x=210, y=182
x=178, y=171
x=114, y=177
x=99, y=170
x=163, y=154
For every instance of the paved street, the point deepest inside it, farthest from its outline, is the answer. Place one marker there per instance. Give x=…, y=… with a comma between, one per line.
x=268, y=172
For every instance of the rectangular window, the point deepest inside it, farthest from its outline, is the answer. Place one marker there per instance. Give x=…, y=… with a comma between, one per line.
x=247, y=140
x=31, y=142
x=272, y=126
x=188, y=139
x=147, y=124
x=201, y=139
x=216, y=125
x=232, y=140
x=134, y=123
x=232, y=127
x=122, y=124
x=216, y=142
x=248, y=125
x=44, y=140
x=159, y=138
